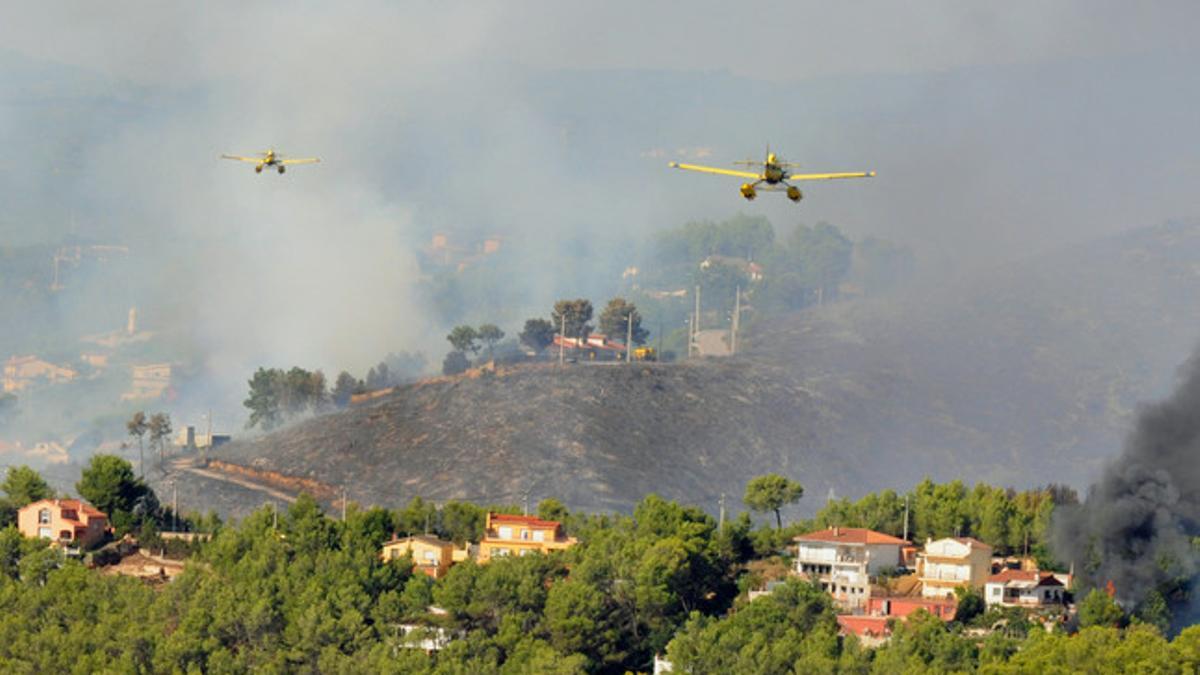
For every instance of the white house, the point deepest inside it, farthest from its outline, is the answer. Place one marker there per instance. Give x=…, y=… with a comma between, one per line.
x=843, y=560
x=1024, y=588
x=949, y=563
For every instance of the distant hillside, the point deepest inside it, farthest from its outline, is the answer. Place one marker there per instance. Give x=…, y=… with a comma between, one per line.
x=1023, y=375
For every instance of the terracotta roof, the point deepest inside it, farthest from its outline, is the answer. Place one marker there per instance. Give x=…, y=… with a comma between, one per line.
x=972, y=541
x=851, y=535
x=1027, y=576
x=428, y=539
x=863, y=625
x=522, y=520
x=79, y=506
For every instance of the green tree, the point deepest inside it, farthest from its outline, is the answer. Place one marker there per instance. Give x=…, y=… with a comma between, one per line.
x=455, y=363
x=463, y=339
x=1153, y=610
x=771, y=493
x=538, y=334
x=552, y=509
x=970, y=604
x=824, y=253
x=1097, y=609
x=573, y=316
x=614, y=321
x=24, y=486
x=137, y=426
x=490, y=334
x=379, y=377
x=343, y=389
x=160, y=430
x=263, y=402
x=108, y=483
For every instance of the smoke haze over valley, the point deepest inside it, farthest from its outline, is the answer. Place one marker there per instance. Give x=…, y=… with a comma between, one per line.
x=1003, y=143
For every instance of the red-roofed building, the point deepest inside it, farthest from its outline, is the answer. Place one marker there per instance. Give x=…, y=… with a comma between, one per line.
x=1024, y=588
x=870, y=630
x=901, y=607
x=843, y=559
x=66, y=521
x=506, y=535
x=597, y=347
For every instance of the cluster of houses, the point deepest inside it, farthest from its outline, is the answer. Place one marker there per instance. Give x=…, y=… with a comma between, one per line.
x=849, y=564
x=504, y=535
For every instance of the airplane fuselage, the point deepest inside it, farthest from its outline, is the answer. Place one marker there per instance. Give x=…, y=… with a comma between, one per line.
x=772, y=173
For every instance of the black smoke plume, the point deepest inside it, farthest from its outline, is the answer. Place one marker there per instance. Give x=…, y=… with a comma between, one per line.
x=1137, y=524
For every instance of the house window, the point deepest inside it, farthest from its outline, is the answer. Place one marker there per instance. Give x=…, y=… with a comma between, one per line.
x=44, y=532
x=44, y=516
x=430, y=555
x=539, y=536
x=525, y=534
x=997, y=590
x=506, y=533
x=395, y=554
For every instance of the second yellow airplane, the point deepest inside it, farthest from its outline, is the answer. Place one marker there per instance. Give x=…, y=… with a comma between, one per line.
x=271, y=160
x=775, y=174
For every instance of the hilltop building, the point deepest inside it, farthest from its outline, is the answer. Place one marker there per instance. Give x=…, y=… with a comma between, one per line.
x=506, y=535
x=949, y=563
x=68, y=522
x=597, y=347
x=23, y=371
x=148, y=381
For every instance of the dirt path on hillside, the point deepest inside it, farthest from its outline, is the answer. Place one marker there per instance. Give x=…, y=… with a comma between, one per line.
x=185, y=466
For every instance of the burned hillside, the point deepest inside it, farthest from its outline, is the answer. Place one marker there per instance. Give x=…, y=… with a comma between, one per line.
x=1026, y=374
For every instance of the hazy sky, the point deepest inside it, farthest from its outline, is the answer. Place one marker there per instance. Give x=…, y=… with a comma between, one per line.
x=997, y=130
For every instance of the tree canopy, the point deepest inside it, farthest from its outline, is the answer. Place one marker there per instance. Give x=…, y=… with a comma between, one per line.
x=614, y=321
x=771, y=493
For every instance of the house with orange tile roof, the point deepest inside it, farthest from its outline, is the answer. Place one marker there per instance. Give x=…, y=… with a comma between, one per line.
x=842, y=561
x=509, y=535
x=948, y=563
x=1024, y=588
x=70, y=522
x=430, y=556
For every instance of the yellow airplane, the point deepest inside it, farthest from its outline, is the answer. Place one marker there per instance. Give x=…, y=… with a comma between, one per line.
x=774, y=173
x=270, y=158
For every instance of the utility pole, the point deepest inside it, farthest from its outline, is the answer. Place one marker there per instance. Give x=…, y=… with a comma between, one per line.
x=721, y=516
x=525, y=502
x=659, y=355
x=737, y=314
x=629, y=338
x=696, y=322
x=905, y=517
x=208, y=443
x=562, y=336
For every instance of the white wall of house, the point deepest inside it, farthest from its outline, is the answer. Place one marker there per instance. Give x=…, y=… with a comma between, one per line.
x=882, y=556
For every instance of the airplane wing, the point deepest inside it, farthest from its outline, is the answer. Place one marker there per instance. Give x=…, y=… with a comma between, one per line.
x=713, y=169
x=255, y=160
x=829, y=176
x=302, y=160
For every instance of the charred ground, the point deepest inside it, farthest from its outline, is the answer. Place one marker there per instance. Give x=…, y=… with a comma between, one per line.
x=1023, y=375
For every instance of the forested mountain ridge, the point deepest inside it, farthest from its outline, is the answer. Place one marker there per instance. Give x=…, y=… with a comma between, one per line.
x=1025, y=374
